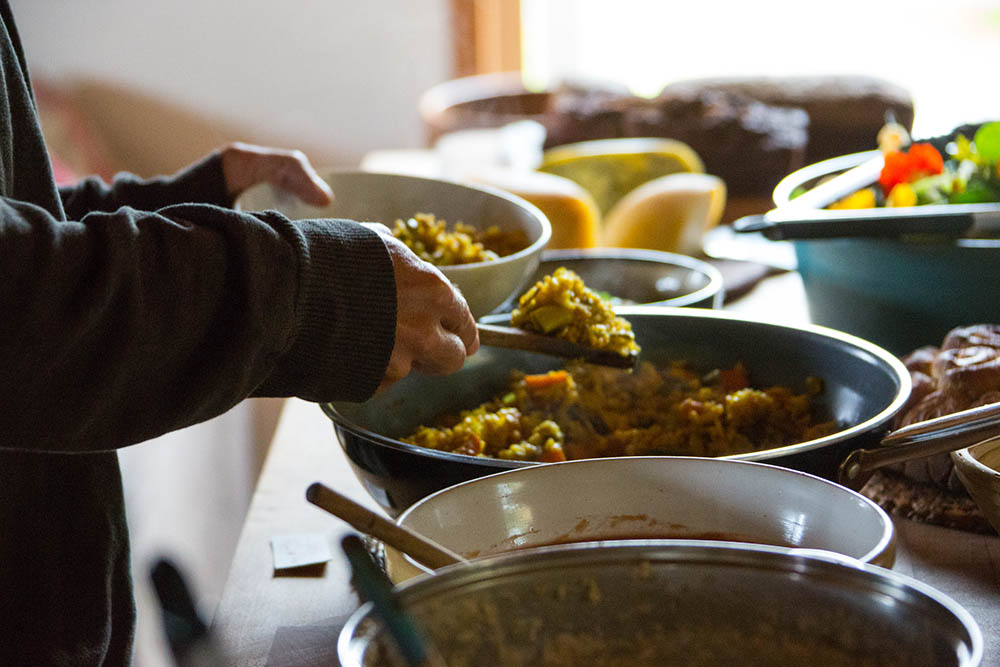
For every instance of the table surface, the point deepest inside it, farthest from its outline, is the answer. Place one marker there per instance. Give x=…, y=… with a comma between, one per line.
x=267, y=619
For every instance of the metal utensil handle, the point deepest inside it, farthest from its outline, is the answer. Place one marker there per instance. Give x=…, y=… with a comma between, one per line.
x=873, y=225
x=757, y=222
x=375, y=587
x=924, y=438
x=519, y=339
x=368, y=522
x=869, y=223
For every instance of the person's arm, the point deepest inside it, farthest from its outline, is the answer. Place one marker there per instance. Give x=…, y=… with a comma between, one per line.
x=202, y=182
x=125, y=325
x=218, y=178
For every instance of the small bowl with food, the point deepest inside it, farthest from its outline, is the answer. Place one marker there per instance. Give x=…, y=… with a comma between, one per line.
x=636, y=276
x=486, y=241
x=647, y=498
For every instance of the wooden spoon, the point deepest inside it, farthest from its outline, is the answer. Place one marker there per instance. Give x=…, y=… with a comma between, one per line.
x=414, y=545
x=519, y=339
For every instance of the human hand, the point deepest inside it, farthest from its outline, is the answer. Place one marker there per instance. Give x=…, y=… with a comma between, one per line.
x=245, y=165
x=435, y=330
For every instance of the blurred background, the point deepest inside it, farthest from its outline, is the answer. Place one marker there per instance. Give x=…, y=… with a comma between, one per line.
x=149, y=87
x=938, y=52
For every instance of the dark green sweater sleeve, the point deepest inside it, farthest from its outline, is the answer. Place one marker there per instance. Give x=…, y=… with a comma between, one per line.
x=201, y=182
x=123, y=325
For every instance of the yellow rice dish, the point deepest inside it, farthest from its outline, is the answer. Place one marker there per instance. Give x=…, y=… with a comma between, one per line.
x=588, y=411
x=430, y=239
x=561, y=305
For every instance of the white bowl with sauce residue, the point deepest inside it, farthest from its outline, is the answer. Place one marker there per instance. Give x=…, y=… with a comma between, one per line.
x=647, y=498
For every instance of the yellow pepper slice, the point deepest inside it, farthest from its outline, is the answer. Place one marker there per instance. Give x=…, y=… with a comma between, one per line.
x=902, y=194
x=860, y=199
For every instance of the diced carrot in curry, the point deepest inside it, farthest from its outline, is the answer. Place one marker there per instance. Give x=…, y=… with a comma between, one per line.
x=734, y=379
x=549, y=379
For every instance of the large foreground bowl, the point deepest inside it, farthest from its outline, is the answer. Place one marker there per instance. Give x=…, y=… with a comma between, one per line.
x=864, y=388
x=900, y=294
x=637, y=277
x=374, y=197
x=641, y=604
x=647, y=498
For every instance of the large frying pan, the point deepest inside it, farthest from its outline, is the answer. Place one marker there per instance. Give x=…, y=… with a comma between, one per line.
x=865, y=386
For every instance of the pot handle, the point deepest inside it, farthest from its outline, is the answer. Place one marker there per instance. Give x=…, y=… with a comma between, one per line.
x=924, y=438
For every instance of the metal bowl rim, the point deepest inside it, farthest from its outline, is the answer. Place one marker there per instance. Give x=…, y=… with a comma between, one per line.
x=714, y=286
x=791, y=561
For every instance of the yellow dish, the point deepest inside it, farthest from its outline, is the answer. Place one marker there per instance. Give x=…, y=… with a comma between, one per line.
x=611, y=168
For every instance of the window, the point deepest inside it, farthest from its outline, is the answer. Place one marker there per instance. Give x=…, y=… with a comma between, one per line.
x=944, y=53
x=487, y=36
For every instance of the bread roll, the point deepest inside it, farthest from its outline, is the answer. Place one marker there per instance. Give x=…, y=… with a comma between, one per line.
x=963, y=373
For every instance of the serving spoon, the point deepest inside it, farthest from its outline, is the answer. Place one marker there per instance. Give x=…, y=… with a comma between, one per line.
x=520, y=339
x=414, y=545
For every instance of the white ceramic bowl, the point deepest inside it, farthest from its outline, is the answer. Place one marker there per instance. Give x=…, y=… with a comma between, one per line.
x=647, y=498
x=373, y=197
x=978, y=467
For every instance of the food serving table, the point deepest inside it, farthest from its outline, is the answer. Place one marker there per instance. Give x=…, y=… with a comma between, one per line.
x=293, y=618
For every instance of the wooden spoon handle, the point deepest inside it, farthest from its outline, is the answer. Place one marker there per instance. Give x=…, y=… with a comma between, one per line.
x=368, y=522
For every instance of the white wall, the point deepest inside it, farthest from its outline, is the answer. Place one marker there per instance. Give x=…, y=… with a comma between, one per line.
x=337, y=78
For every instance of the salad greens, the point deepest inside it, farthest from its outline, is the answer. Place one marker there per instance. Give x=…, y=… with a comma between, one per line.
x=966, y=171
